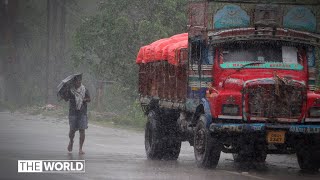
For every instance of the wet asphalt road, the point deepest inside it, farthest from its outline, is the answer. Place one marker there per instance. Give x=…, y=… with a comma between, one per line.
x=117, y=154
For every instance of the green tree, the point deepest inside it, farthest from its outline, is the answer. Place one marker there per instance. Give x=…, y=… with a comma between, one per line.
x=108, y=42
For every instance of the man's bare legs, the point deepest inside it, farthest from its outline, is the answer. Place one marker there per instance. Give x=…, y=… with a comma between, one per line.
x=82, y=137
x=71, y=136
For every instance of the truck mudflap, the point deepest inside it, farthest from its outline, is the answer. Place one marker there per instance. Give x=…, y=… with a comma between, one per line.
x=261, y=127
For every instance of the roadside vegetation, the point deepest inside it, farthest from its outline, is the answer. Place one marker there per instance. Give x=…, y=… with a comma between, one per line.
x=108, y=43
x=98, y=38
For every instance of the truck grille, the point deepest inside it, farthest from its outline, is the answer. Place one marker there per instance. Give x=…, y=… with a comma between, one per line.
x=275, y=101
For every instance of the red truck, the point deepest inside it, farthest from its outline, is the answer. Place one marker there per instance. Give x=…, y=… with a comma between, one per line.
x=243, y=80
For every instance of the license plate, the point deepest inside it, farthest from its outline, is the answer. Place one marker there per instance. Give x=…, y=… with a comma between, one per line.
x=276, y=137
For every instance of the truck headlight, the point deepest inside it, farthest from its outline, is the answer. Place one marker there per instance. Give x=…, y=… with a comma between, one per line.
x=230, y=109
x=314, y=112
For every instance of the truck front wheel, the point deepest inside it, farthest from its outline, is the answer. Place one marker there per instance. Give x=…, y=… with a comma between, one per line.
x=206, y=148
x=308, y=159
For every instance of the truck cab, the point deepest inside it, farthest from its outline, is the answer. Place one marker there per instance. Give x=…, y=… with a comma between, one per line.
x=259, y=82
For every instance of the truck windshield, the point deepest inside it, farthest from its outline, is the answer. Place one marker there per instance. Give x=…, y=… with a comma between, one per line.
x=279, y=57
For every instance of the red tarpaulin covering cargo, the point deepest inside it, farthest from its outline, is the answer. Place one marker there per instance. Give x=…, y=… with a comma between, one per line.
x=174, y=51
x=150, y=55
x=140, y=55
x=164, y=50
x=158, y=50
x=160, y=47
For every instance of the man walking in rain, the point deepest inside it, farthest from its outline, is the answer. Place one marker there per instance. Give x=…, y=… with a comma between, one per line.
x=78, y=97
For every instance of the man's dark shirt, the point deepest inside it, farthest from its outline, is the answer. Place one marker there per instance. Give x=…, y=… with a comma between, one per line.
x=72, y=105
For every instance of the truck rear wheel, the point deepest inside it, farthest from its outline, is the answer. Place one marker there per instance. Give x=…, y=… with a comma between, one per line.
x=172, y=142
x=161, y=139
x=152, y=141
x=206, y=148
x=172, y=151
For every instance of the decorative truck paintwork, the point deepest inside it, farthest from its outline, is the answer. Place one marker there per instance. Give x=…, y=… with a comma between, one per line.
x=249, y=85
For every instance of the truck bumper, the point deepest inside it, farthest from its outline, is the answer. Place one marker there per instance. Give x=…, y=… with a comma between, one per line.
x=261, y=127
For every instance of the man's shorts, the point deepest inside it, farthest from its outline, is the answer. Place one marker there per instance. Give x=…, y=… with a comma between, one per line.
x=78, y=122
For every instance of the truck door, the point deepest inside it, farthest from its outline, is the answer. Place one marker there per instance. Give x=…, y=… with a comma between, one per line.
x=200, y=73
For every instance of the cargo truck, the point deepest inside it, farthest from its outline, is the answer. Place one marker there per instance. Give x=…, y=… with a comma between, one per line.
x=243, y=80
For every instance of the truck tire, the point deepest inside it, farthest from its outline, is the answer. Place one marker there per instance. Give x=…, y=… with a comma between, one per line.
x=207, y=149
x=153, y=139
x=308, y=159
x=172, y=151
x=172, y=144
x=161, y=139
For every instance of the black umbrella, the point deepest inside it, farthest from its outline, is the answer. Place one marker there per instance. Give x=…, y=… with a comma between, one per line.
x=65, y=86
